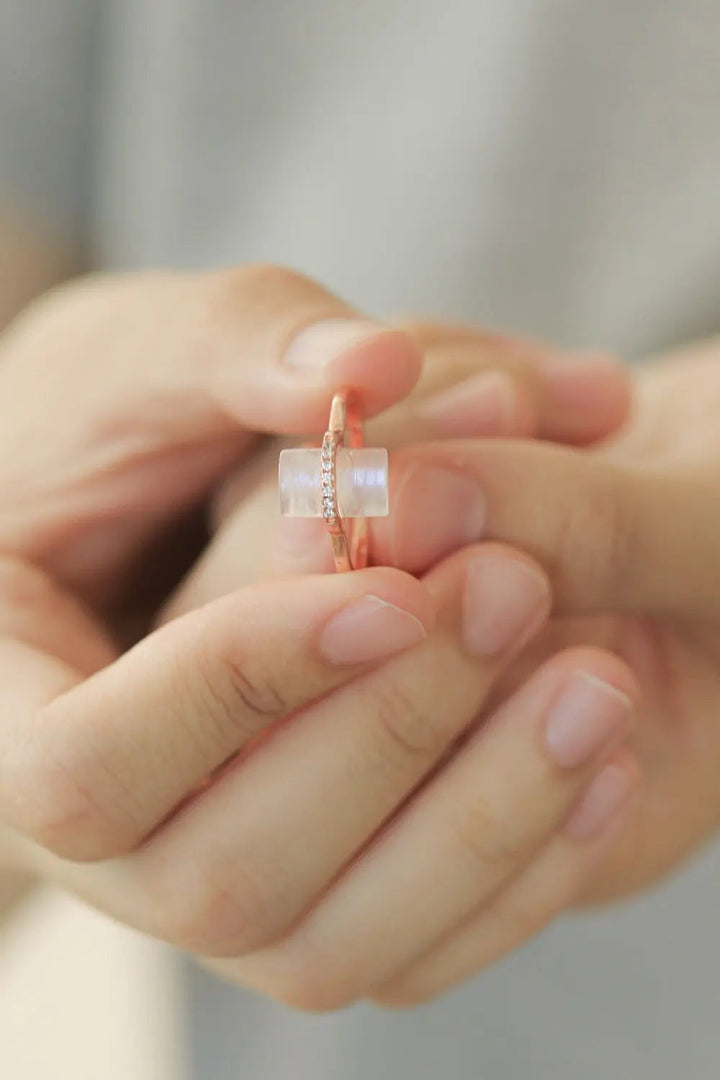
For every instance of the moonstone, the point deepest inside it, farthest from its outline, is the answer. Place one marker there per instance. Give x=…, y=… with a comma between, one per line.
x=362, y=483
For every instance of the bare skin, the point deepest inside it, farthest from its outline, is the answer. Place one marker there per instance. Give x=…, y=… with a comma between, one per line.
x=629, y=535
x=107, y=750
x=37, y=265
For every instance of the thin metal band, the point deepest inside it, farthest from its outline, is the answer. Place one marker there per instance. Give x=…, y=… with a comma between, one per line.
x=349, y=537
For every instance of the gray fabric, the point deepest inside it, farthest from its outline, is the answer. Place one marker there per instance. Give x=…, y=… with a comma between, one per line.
x=631, y=995
x=537, y=164
x=546, y=165
x=47, y=53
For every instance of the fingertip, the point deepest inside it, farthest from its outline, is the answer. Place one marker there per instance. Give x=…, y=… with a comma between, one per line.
x=435, y=509
x=590, y=395
x=606, y=800
x=490, y=403
x=603, y=665
x=402, y=590
x=502, y=597
x=291, y=394
x=382, y=368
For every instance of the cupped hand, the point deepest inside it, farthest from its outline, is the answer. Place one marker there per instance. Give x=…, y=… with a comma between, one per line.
x=162, y=783
x=629, y=533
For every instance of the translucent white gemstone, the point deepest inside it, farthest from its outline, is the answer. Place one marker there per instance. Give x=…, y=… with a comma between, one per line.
x=362, y=483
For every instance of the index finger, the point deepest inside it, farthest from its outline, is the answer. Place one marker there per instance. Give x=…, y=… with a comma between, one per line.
x=192, y=366
x=89, y=768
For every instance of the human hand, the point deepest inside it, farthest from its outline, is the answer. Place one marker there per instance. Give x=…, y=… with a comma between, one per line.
x=103, y=756
x=629, y=534
x=473, y=384
x=631, y=538
x=320, y=967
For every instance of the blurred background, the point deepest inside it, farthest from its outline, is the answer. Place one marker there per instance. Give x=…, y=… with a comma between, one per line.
x=550, y=167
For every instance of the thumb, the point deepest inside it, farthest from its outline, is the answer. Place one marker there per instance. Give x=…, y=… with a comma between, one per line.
x=126, y=398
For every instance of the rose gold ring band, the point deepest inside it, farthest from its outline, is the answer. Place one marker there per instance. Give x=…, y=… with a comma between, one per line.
x=349, y=536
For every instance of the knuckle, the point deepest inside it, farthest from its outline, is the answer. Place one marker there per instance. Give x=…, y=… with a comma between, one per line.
x=208, y=911
x=482, y=834
x=240, y=702
x=407, y=727
x=55, y=804
x=597, y=542
x=621, y=541
x=265, y=286
x=258, y=696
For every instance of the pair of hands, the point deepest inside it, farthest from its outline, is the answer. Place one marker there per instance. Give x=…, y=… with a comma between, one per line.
x=366, y=785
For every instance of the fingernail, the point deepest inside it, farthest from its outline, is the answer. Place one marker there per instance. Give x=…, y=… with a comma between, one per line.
x=369, y=629
x=485, y=404
x=506, y=601
x=317, y=345
x=436, y=511
x=576, y=378
x=588, y=715
x=607, y=795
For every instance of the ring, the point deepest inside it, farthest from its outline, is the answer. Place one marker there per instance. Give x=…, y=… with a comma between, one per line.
x=343, y=481
x=350, y=548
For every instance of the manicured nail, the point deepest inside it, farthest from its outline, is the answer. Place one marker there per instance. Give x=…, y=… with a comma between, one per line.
x=607, y=795
x=318, y=345
x=436, y=511
x=369, y=629
x=588, y=715
x=506, y=601
x=485, y=404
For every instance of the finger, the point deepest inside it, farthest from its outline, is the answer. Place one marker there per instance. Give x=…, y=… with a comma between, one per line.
x=90, y=772
x=473, y=384
x=271, y=833
x=613, y=537
x=547, y=888
x=471, y=829
x=442, y=497
x=191, y=365
x=238, y=863
x=478, y=383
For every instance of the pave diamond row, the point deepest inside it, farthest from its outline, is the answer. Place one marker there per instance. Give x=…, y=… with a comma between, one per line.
x=328, y=457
